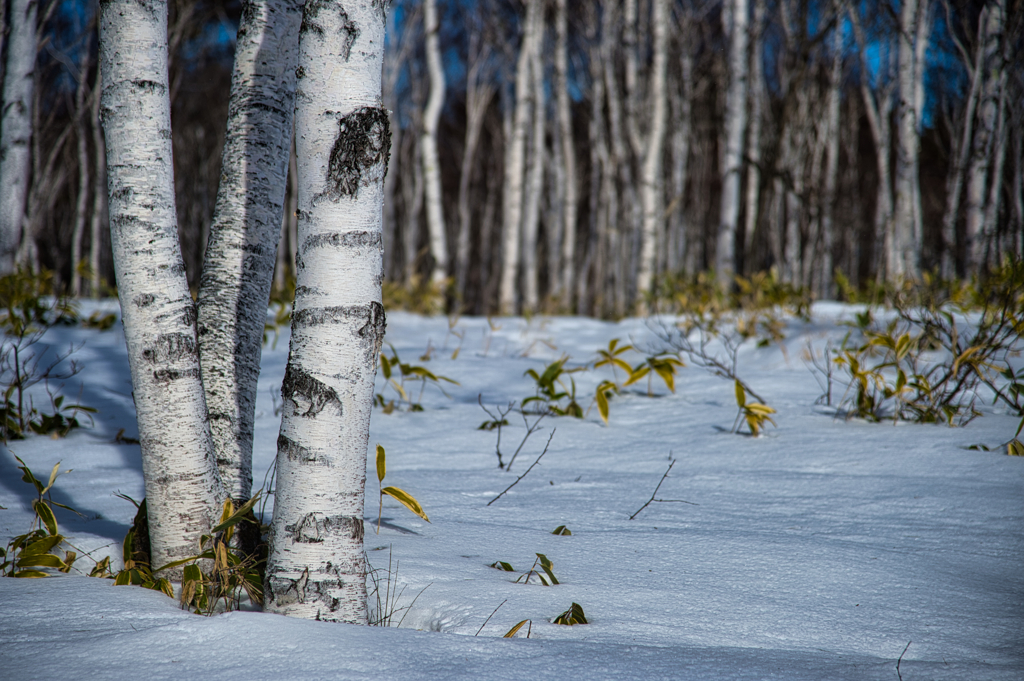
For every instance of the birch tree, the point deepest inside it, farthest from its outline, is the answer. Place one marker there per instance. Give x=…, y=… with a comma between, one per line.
x=907, y=261
x=651, y=179
x=569, y=191
x=182, y=487
x=316, y=567
x=735, y=119
x=515, y=162
x=16, y=126
x=428, y=143
x=242, y=248
x=985, y=134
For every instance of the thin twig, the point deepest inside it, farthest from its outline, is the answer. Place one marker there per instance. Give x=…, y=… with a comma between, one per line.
x=901, y=660
x=527, y=470
x=529, y=431
x=489, y=618
x=672, y=462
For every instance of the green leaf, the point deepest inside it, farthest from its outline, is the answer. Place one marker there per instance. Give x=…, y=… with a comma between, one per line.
x=602, y=405
x=514, y=630
x=1015, y=448
x=238, y=515
x=381, y=465
x=406, y=500
x=562, y=531
x=44, y=560
x=30, y=574
x=637, y=374
x=574, y=615
x=502, y=565
x=45, y=514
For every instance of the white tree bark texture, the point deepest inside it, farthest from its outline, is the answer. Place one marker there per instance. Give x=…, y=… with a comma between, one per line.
x=985, y=135
x=316, y=567
x=515, y=165
x=182, y=488
x=534, y=181
x=16, y=126
x=906, y=263
x=651, y=174
x=238, y=272
x=570, y=192
x=735, y=120
x=428, y=142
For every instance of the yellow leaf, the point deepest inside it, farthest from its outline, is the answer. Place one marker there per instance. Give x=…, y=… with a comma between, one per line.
x=636, y=375
x=602, y=405
x=1015, y=448
x=514, y=630
x=741, y=394
x=406, y=500
x=760, y=409
x=381, y=470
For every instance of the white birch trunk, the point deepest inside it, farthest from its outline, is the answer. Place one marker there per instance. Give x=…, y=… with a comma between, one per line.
x=99, y=194
x=907, y=251
x=316, y=567
x=515, y=163
x=995, y=187
x=178, y=466
x=732, y=158
x=534, y=183
x=569, y=192
x=428, y=143
x=651, y=179
x=82, y=196
x=984, y=137
x=235, y=287
x=16, y=127
x=959, y=161
x=757, y=96
x=823, y=264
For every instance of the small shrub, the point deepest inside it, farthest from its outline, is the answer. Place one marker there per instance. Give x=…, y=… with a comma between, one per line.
x=401, y=496
x=574, y=615
x=406, y=372
x=40, y=547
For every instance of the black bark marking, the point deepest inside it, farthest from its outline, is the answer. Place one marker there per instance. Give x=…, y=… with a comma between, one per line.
x=144, y=300
x=311, y=24
x=170, y=348
x=339, y=239
x=363, y=142
x=376, y=325
x=311, y=530
x=149, y=85
x=299, y=385
x=167, y=375
x=296, y=452
x=281, y=588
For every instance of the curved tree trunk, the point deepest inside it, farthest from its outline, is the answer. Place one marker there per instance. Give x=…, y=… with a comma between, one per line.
x=182, y=487
x=316, y=567
x=242, y=249
x=16, y=127
x=428, y=142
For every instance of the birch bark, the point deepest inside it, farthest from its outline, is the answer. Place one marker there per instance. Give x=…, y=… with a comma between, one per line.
x=16, y=126
x=907, y=251
x=316, y=567
x=178, y=466
x=569, y=192
x=735, y=119
x=757, y=97
x=534, y=180
x=984, y=137
x=428, y=143
x=651, y=180
x=514, y=164
x=242, y=249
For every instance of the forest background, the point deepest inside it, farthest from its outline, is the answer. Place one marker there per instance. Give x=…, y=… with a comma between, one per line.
x=589, y=151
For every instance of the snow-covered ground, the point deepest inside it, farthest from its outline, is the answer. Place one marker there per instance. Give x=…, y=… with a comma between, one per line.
x=817, y=551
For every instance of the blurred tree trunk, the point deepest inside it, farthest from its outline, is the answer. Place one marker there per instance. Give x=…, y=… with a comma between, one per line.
x=907, y=247
x=985, y=136
x=961, y=152
x=16, y=126
x=428, y=147
x=756, y=94
x=569, y=191
x=534, y=176
x=242, y=249
x=651, y=188
x=99, y=193
x=515, y=161
x=180, y=472
x=735, y=26
x=316, y=567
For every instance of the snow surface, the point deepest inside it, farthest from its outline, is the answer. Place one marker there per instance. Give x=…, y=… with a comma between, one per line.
x=817, y=551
